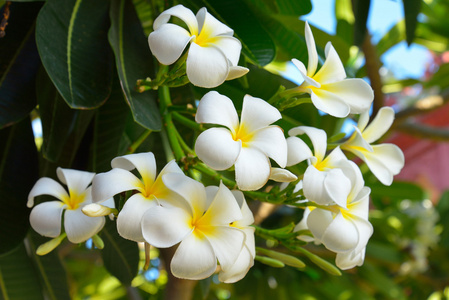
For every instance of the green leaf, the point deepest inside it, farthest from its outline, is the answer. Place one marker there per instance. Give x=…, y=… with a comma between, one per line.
x=72, y=41
x=397, y=191
x=62, y=128
x=294, y=7
x=411, y=11
x=18, y=280
x=345, y=20
x=18, y=173
x=120, y=256
x=439, y=78
x=134, y=61
x=394, y=36
x=361, y=10
x=110, y=121
x=50, y=269
x=19, y=62
x=256, y=42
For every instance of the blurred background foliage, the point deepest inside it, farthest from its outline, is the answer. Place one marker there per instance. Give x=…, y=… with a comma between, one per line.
x=73, y=65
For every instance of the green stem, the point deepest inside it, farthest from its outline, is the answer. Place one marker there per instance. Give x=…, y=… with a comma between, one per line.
x=219, y=177
x=165, y=102
x=187, y=122
x=166, y=145
x=183, y=144
x=138, y=142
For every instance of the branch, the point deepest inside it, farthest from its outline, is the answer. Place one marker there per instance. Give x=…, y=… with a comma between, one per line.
x=424, y=131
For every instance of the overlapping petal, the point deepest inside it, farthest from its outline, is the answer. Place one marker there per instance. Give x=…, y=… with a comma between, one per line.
x=210, y=26
x=46, y=186
x=355, y=92
x=380, y=125
x=297, y=151
x=332, y=69
x=217, y=148
x=129, y=220
x=317, y=136
x=257, y=113
x=79, y=227
x=329, y=103
x=239, y=269
x=168, y=42
x=180, y=12
x=76, y=181
x=45, y=218
x=106, y=185
x=252, y=169
x=215, y=108
x=145, y=163
x=223, y=209
x=271, y=141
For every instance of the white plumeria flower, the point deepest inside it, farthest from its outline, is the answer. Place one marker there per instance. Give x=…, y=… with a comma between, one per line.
x=151, y=191
x=247, y=144
x=325, y=180
x=246, y=258
x=329, y=89
x=345, y=231
x=213, y=54
x=202, y=228
x=385, y=160
x=45, y=218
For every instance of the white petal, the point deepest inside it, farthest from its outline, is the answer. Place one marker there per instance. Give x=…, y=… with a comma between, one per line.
x=380, y=125
x=317, y=136
x=329, y=103
x=332, y=69
x=145, y=163
x=230, y=46
x=271, y=141
x=337, y=186
x=168, y=42
x=76, y=181
x=335, y=158
x=297, y=151
x=257, y=113
x=252, y=169
x=302, y=225
x=192, y=191
x=359, y=205
x=356, y=141
x=215, y=108
x=236, y=72
x=46, y=186
x=308, y=81
x=106, y=185
x=282, y=175
x=247, y=216
x=207, y=66
x=239, y=269
x=311, y=50
x=349, y=260
x=355, y=92
x=341, y=235
x=194, y=259
x=352, y=171
x=45, y=218
x=129, y=220
x=363, y=120
x=217, y=149
x=210, y=26
x=180, y=12
x=79, y=227
x=365, y=230
x=227, y=243
x=211, y=191
x=326, y=187
x=223, y=210
x=385, y=161
x=318, y=221
x=164, y=227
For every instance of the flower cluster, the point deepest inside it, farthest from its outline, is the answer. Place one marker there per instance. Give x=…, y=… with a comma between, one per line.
x=212, y=225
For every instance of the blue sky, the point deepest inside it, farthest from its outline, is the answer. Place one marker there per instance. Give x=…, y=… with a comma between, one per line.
x=383, y=15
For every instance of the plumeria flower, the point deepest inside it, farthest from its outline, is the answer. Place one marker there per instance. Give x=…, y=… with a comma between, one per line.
x=151, y=191
x=203, y=228
x=213, y=54
x=325, y=180
x=345, y=231
x=247, y=144
x=46, y=217
x=246, y=258
x=385, y=160
x=329, y=89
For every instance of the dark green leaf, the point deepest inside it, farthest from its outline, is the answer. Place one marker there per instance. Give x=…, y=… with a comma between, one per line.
x=72, y=41
x=19, y=62
x=257, y=43
x=18, y=173
x=397, y=191
x=439, y=78
x=63, y=128
x=411, y=11
x=361, y=10
x=294, y=7
x=18, y=280
x=50, y=269
x=110, y=121
x=134, y=61
x=120, y=256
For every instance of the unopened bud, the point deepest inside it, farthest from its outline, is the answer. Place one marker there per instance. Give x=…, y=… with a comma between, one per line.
x=97, y=210
x=50, y=245
x=282, y=175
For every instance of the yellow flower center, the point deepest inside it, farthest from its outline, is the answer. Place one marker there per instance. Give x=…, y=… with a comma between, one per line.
x=74, y=199
x=201, y=229
x=243, y=135
x=205, y=37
